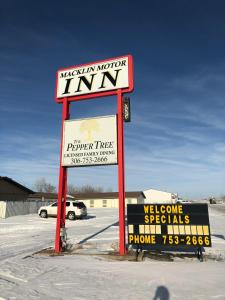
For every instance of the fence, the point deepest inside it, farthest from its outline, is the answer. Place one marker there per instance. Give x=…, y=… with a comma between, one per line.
x=15, y=208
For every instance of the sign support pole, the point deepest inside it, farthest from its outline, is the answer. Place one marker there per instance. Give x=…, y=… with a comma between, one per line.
x=62, y=189
x=121, y=179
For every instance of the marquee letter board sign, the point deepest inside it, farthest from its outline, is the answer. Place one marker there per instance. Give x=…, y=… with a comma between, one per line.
x=90, y=142
x=168, y=224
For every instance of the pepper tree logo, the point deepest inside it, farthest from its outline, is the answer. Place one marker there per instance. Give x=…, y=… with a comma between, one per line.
x=88, y=128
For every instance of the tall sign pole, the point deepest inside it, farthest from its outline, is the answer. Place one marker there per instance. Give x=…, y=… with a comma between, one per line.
x=121, y=177
x=62, y=189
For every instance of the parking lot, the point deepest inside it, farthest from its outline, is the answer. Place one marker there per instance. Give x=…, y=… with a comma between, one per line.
x=27, y=276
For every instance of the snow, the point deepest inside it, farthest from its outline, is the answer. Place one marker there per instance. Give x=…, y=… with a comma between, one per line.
x=88, y=275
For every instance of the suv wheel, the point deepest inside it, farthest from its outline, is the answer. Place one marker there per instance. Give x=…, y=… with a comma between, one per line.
x=43, y=214
x=71, y=215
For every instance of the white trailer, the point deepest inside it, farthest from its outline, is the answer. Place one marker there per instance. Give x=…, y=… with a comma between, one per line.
x=156, y=196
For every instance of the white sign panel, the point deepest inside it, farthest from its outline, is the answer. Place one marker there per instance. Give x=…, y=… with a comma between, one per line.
x=91, y=141
x=94, y=78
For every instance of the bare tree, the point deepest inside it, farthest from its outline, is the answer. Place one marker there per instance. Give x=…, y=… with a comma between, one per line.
x=90, y=189
x=71, y=189
x=42, y=186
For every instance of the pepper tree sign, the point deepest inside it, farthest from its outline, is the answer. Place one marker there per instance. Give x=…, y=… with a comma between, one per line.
x=90, y=142
x=169, y=224
x=99, y=77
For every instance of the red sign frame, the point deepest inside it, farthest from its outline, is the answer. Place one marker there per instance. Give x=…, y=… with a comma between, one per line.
x=62, y=188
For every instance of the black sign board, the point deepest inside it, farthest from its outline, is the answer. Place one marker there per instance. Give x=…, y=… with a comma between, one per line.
x=126, y=110
x=168, y=224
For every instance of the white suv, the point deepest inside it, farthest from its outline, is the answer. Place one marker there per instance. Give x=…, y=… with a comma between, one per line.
x=74, y=209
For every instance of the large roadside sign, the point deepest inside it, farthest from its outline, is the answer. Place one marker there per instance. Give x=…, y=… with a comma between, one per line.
x=90, y=142
x=93, y=141
x=95, y=78
x=168, y=224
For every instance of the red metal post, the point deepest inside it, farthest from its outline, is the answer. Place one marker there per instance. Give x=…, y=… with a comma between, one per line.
x=121, y=180
x=62, y=189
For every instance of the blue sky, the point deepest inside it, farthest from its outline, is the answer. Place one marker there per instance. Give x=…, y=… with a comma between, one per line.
x=176, y=140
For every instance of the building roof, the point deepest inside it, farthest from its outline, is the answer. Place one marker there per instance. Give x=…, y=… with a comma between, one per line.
x=40, y=195
x=20, y=186
x=54, y=196
x=106, y=195
x=86, y=196
x=149, y=190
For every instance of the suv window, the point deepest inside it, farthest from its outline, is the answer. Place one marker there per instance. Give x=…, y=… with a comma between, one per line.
x=54, y=204
x=79, y=204
x=67, y=203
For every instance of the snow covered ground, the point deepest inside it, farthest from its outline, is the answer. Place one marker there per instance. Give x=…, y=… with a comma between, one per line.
x=27, y=276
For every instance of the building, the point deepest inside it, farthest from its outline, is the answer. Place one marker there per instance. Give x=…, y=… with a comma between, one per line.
x=11, y=190
x=94, y=200
x=13, y=198
x=46, y=197
x=156, y=196
x=109, y=200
